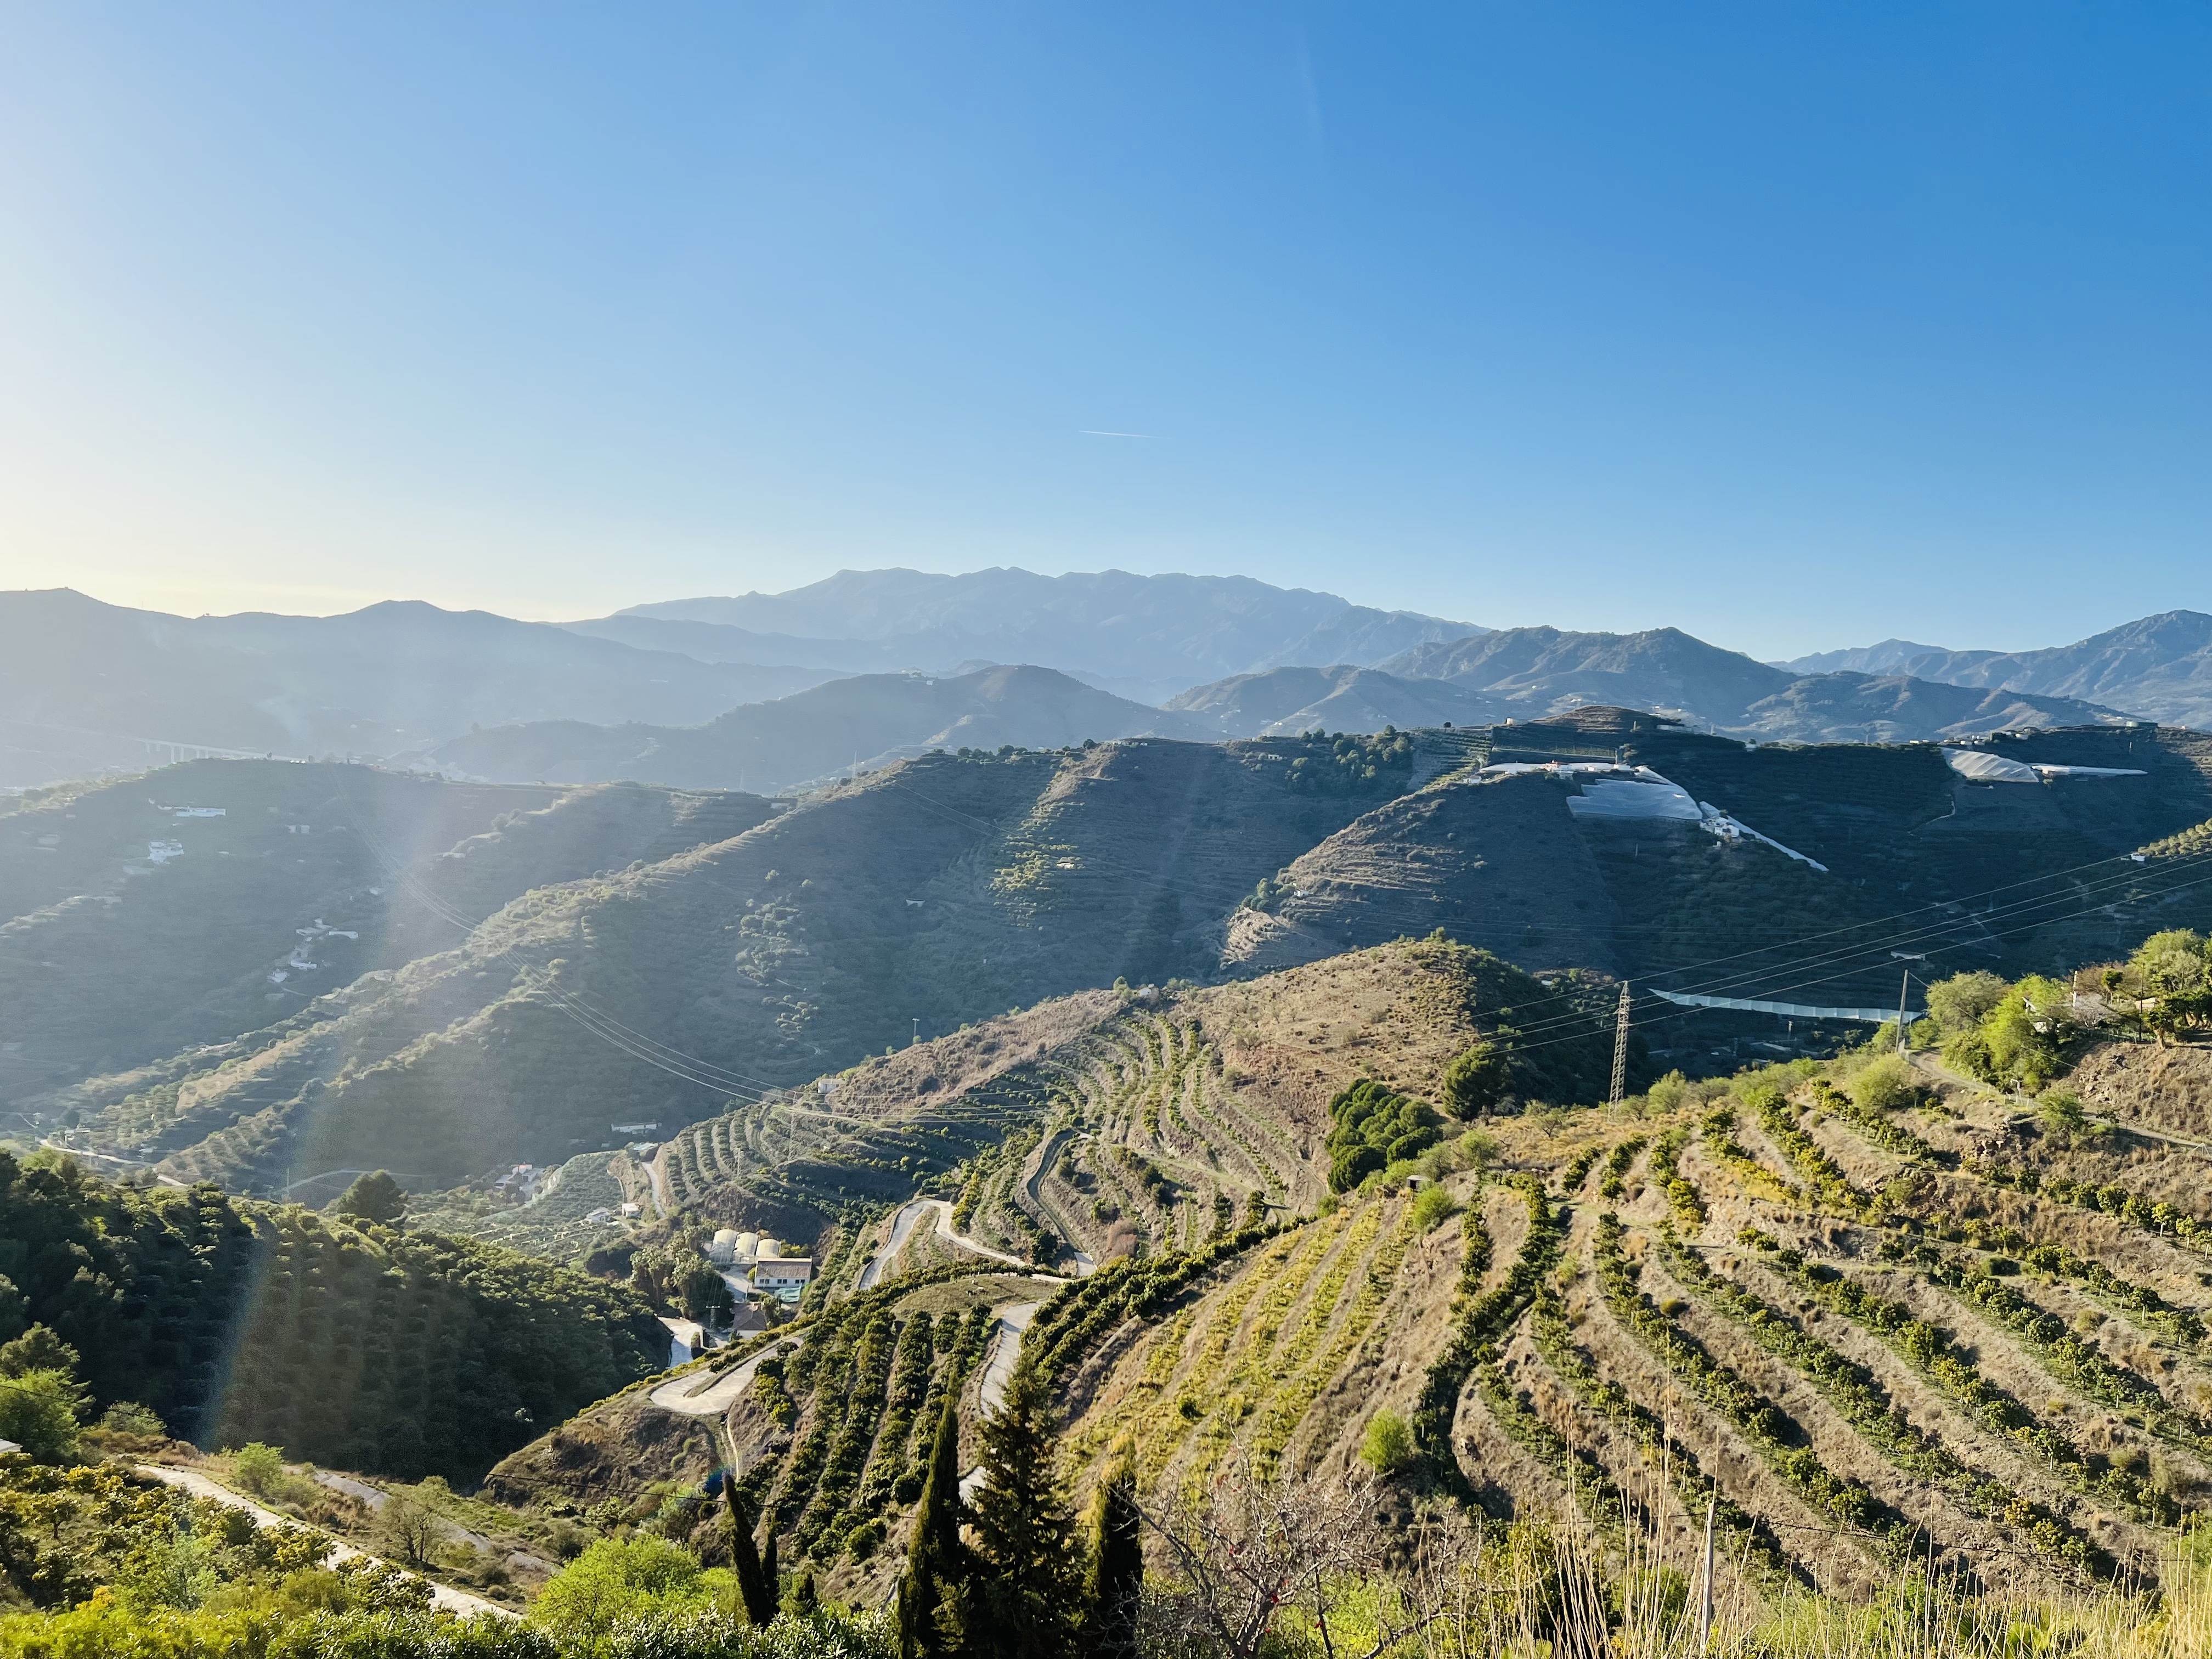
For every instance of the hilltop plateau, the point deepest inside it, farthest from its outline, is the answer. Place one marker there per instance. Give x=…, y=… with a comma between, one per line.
x=1554, y=867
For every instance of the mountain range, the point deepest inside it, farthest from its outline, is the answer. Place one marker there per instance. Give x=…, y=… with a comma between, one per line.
x=738, y=692
x=86, y=687
x=2158, y=667
x=1144, y=637
x=1522, y=673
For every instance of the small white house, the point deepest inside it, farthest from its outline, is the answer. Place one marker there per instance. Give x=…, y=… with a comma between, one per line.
x=784, y=1276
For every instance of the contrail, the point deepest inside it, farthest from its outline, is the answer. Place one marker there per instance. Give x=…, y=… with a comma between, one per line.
x=1089, y=432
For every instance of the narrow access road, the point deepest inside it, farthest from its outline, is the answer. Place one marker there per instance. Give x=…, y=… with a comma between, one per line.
x=1005, y=1353
x=903, y=1227
x=200, y=1486
x=1085, y=1263
x=710, y=1395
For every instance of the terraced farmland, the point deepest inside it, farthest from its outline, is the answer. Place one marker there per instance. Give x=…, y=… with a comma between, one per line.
x=1873, y=1339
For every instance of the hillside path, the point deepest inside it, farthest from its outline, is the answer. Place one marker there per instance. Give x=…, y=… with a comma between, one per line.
x=1006, y=1352
x=1934, y=1066
x=694, y=1396
x=200, y=1486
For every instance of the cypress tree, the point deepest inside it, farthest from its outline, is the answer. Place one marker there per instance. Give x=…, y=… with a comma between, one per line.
x=769, y=1575
x=755, y=1584
x=937, y=1563
x=1117, y=1561
x=1030, y=1583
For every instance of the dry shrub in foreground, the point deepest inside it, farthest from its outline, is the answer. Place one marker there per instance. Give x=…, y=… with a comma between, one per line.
x=1287, y=1568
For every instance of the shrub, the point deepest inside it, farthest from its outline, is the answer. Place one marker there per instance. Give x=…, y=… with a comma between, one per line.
x=1374, y=1125
x=1476, y=1080
x=1668, y=1092
x=129, y=1417
x=1387, y=1445
x=258, y=1468
x=1960, y=1004
x=1884, y=1084
x=2065, y=1120
x=618, y=1581
x=1432, y=1206
x=39, y=1412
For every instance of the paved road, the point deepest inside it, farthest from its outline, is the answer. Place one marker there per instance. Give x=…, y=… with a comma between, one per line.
x=442, y=1596
x=1085, y=1263
x=902, y=1225
x=902, y=1229
x=1005, y=1352
x=694, y=1395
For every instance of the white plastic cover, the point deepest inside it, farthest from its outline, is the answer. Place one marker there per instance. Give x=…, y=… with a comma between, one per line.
x=1985, y=768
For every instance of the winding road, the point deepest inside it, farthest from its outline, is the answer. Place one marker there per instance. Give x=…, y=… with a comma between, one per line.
x=694, y=1395
x=1085, y=1263
x=903, y=1226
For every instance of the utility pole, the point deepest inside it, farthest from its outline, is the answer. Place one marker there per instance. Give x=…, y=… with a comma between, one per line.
x=917, y=1033
x=1903, y=983
x=1621, y=1048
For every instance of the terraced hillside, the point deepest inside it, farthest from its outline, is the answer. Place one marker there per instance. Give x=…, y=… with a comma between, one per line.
x=942, y=891
x=709, y=974
x=2004, y=875
x=1881, y=1337
x=1095, y=1125
x=188, y=906
x=1950, y=1331
x=1103, y=1152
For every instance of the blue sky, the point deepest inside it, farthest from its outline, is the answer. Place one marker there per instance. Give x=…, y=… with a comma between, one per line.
x=1794, y=325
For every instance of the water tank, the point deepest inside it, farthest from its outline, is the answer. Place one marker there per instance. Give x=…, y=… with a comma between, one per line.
x=769, y=1250
x=748, y=1246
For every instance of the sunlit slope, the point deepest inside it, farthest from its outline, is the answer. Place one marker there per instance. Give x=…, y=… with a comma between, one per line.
x=1185, y=1129
x=942, y=891
x=1875, y=1334
x=1094, y=1124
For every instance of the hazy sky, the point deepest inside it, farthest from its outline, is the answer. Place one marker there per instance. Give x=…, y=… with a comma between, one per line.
x=1792, y=324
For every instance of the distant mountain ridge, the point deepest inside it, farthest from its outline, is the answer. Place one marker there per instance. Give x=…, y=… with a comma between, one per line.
x=1146, y=637
x=862, y=722
x=2155, y=667
x=86, y=687
x=1835, y=707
